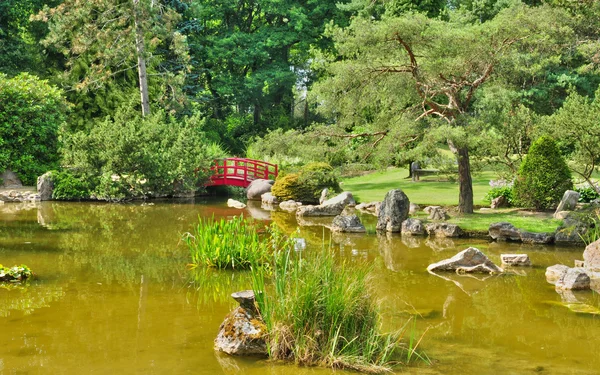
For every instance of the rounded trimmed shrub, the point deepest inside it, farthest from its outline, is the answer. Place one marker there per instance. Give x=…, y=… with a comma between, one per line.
x=307, y=184
x=543, y=176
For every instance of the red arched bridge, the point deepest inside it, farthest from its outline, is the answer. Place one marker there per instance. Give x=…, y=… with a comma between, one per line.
x=240, y=172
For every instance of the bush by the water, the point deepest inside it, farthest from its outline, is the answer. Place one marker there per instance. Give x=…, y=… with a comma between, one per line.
x=69, y=185
x=232, y=244
x=323, y=313
x=543, y=176
x=307, y=184
x=15, y=274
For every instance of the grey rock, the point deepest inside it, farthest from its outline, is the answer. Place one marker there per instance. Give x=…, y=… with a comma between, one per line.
x=235, y=204
x=413, y=208
x=413, y=227
x=568, y=201
x=555, y=273
x=515, y=259
x=331, y=207
x=561, y=215
x=245, y=298
x=323, y=197
x=289, y=206
x=269, y=198
x=570, y=233
x=45, y=186
x=470, y=260
x=499, y=202
x=591, y=256
x=347, y=224
x=10, y=180
x=504, y=232
x=443, y=230
x=258, y=187
x=574, y=279
x=537, y=238
x=393, y=211
x=436, y=213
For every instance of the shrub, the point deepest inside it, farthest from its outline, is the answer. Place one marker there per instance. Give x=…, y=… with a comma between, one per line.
x=31, y=111
x=501, y=191
x=543, y=176
x=320, y=313
x=69, y=185
x=307, y=184
x=15, y=274
x=234, y=243
x=587, y=194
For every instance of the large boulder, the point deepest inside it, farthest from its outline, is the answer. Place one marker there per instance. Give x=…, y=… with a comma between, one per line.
x=393, y=211
x=10, y=180
x=591, y=256
x=436, y=213
x=568, y=201
x=45, y=186
x=235, y=204
x=348, y=224
x=331, y=207
x=413, y=227
x=443, y=230
x=537, y=238
x=555, y=273
x=574, y=279
x=243, y=331
x=468, y=260
x=504, y=232
x=258, y=187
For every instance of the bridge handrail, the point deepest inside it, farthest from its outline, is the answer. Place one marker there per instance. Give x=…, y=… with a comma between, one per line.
x=230, y=168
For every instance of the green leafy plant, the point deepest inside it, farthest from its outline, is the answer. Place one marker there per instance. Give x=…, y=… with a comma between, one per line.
x=69, y=185
x=15, y=274
x=587, y=194
x=543, y=176
x=501, y=191
x=307, y=184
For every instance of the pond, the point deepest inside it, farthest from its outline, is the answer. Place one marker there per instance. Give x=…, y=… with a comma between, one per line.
x=113, y=294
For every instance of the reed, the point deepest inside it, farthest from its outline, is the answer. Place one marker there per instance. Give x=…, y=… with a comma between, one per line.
x=321, y=313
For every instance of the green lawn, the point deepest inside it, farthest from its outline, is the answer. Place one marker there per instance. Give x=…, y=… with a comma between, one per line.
x=531, y=222
x=429, y=191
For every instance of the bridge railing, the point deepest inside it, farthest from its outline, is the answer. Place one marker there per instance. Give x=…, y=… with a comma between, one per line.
x=241, y=171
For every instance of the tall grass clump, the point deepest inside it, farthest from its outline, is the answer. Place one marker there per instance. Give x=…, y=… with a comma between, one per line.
x=322, y=313
x=231, y=244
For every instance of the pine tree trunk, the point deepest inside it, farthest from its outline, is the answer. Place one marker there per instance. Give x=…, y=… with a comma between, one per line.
x=465, y=197
x=139, y=46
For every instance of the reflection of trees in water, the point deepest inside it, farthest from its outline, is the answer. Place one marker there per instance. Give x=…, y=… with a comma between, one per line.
x=211, y=285
x=27, y=297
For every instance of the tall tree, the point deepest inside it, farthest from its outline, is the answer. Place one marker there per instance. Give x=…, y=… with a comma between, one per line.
x=443, y=64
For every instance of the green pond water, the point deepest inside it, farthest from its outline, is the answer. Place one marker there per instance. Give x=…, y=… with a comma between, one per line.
x=113, y=295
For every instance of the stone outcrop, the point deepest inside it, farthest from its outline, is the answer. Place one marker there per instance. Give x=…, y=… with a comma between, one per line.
x=413, y=208
x=235, y=204
x=568, y=202
x=323, y=196
x=574, y=279
x=19, y=196
x=10, y=180
x=243, y=332
x=537, y=238
x=289, y=206
x=413, y=227
x=347, y=224
x=591, y=256
x=370, y=207
x=468, y=260
x=331, y=207
x=443, y=230
x=515, y=259
x=504, y=232
x=555, y=273
x=269, y=199
x=436, y=213
x=499, y=202
x=393, y=211
x=45, y=186
x=258, y=187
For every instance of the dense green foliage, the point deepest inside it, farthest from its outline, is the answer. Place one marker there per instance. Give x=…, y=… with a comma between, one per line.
x=501, y=191
x=587, y=194
x=543, y=176
x=31, y=112
x=307, y=184
x=322, y=313
x=233, y=244
x=70, y=185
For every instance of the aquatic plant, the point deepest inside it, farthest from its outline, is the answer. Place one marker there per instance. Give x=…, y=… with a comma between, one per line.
x=321, y=313
x=15, y=274
x=232, y=244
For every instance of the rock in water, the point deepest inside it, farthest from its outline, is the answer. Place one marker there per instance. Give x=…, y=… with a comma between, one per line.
x=235, y=204
x=568, y=202
x=537, y=238
x=393, y=211
x=45, y=186
x=443, y=230
x=348, y=224
x=243, y=332
x=591, y=256
x=268, y=198
x=555, y=273
x=574, y=279
x=289, y=206
x=413, y=227
x=258, y=187
x=515, y=259
x=331, y=207
x=504, y=232
x=468, y=260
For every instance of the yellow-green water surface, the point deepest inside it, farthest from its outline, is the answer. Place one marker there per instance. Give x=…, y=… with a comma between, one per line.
x=113, y=295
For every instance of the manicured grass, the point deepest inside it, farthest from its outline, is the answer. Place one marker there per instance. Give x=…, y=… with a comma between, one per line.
x=430, y=190
x=531, y=222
